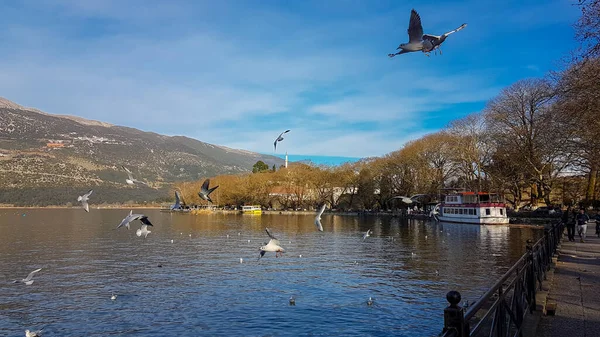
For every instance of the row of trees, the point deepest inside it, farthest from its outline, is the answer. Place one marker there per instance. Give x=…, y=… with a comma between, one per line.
x=537, y=142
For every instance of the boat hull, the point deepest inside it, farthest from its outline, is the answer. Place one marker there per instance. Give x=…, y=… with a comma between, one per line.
x=477, y=221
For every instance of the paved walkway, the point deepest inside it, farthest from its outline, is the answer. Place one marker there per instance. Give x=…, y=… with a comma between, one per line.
x=576, y=289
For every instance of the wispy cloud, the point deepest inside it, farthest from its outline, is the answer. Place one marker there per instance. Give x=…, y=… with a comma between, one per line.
x=239, y=73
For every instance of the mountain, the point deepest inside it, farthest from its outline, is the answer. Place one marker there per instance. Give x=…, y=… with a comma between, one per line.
x=51, y=159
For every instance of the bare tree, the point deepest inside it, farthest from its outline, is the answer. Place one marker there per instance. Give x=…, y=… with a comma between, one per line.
x=588, y=28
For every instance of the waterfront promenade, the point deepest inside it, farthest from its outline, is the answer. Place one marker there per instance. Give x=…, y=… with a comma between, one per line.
x=575, y=286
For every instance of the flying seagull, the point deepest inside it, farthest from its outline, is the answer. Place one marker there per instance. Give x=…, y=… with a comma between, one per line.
x=131, y=180
x=143, y=230
x=433, y=42
x=205, y=191
x=279, y=138
x=84, y=200
x=272, y=246
x=131, y=217
x=415, y=36
x=177, y=204
x=318, y=217
x=29, y=279
x=404, y=199
x=33, y=333
x=367, y=234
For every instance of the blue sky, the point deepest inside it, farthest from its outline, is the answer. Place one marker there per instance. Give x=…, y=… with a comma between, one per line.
x=237, y=73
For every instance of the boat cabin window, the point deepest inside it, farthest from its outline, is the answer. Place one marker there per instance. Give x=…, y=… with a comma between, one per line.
x=470, y=199
x=501, y=211
x=487, y=211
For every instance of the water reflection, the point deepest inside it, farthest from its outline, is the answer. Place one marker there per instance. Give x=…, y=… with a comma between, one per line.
x=202, y=288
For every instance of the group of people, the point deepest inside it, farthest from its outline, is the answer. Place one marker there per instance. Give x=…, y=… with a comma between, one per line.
x=572, y=218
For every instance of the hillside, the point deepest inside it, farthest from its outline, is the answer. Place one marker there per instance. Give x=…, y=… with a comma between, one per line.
x=50, y=159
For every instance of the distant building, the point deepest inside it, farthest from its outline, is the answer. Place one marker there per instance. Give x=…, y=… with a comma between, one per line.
x=55, y=145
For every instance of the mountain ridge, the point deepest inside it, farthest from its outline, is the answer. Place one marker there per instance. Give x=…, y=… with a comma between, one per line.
x=39, y=150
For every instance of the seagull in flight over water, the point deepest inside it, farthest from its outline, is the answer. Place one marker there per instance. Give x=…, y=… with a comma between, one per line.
x=131, y=180
x=131, y=217
x=318, y=217
x=143, y=230
x=205, y=191
x=415, y=35
x=37, y=333
x=29, y=279
x=84, y=200
x=367, y=234
x=272, y=246
x=433, y=42
x=177, y=204
x=279, y=138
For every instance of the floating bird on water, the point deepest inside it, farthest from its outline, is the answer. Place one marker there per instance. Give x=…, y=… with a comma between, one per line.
x=279, y=138
x=272, y=246
x=113, y=297
x=318, y=217
x=370, y=301
x=143, y=230
x=131, y=217
x=131, y=180
x=29, y=279
x=292, y=300
x=367, y=234
x=33, y=333
x=205, y=191
x=433, y=42
x=415, y=36
x=177, y=204
x=84, y=200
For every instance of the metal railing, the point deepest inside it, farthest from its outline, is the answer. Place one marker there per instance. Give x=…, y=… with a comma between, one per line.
x=502, y=309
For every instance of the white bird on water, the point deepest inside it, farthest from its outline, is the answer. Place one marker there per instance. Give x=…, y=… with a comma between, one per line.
x=131, y=217
x=143, y=230
x=318, y=217
x=33, y=333
x=84, y=200
x=367, y=234
x=113, y=297
x=415, y=35
x=131, y=180
x=272, y=246
x=29, y=279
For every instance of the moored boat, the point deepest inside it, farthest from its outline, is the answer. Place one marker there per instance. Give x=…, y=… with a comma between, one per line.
x=473, y=208
x=251, y=209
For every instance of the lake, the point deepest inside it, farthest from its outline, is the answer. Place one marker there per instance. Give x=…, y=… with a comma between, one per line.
x=201, y=288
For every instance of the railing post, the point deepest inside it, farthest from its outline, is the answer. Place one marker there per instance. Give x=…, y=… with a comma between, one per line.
x=530, y=276
x=454, y=316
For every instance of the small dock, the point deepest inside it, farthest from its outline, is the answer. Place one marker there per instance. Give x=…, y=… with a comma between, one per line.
x=572, y=306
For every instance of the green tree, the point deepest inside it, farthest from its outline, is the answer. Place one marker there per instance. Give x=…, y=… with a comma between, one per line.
x=260, y=166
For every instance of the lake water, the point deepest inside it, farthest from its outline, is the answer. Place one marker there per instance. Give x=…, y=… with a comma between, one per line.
x=203, y=289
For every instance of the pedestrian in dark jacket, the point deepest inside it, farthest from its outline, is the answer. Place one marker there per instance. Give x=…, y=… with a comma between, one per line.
x=582, y=219
x=568, y=218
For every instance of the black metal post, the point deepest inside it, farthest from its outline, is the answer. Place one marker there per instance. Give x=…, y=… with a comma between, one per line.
x=530, y=277
x=454, y=316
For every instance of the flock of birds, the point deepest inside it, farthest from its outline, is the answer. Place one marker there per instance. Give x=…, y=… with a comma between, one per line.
x=417, y=42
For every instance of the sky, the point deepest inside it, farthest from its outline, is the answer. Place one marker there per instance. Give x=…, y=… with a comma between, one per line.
x=238, y=73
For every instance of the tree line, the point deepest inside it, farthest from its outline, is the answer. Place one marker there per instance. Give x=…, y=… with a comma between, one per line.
x=537, y=142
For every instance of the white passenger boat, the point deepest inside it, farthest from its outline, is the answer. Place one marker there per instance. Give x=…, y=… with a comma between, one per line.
x=473, y=208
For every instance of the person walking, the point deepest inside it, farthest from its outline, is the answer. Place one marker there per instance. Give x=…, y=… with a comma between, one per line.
x=568, y=218
x=582, y=219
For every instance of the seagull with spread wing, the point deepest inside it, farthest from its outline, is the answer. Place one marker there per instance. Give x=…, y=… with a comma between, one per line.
x=404, y=199
x=131, y=217
x=205, y=191
x=177, y=204
x=84, y=200
x=279, y=138
x=318, y=217
x=29, y=279
x=143, y=230
x=415, y=36
x=131, y=180
x=433, y=42
x=272, y=246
